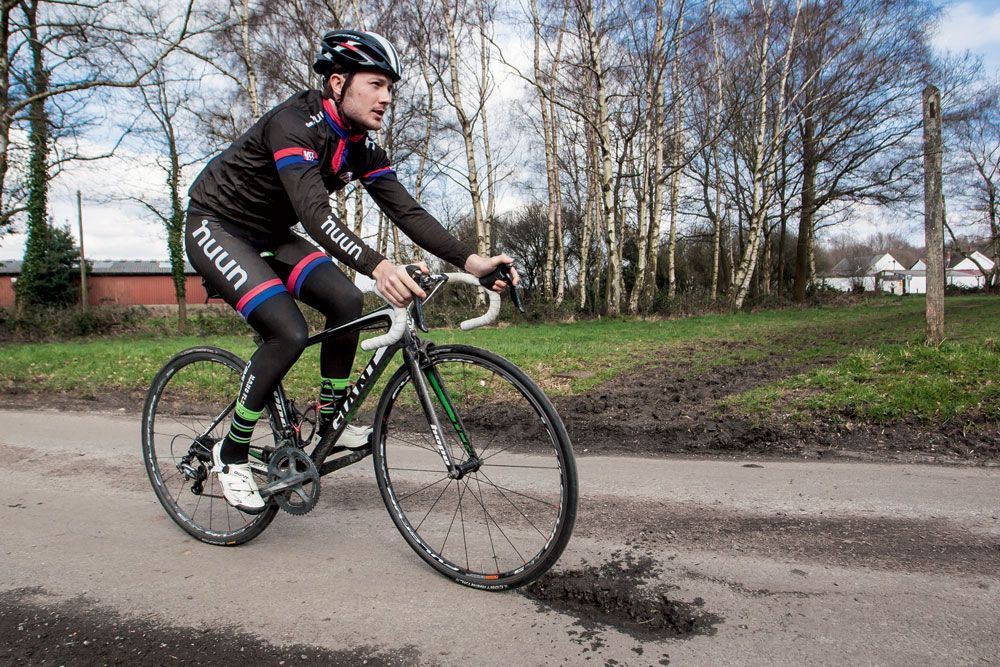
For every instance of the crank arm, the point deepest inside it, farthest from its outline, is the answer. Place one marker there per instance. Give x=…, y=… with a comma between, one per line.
x=284, y=484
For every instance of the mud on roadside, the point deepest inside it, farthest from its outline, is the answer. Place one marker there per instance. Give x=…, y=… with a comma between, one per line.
x=672, y=406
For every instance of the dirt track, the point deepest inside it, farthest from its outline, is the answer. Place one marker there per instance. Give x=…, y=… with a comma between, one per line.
x=681, y=560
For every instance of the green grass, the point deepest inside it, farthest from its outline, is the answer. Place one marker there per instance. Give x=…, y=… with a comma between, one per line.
x=891, y=382
x=873, y=361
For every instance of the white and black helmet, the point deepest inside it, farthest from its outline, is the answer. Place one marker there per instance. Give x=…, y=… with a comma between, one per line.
x=357, y=50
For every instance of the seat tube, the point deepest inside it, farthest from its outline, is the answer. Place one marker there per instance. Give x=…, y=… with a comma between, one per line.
x=420, y=384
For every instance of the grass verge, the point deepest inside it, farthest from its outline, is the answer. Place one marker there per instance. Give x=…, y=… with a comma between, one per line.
x=870, y=357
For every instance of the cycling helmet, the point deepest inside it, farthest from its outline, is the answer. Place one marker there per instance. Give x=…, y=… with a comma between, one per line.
x=357, y=50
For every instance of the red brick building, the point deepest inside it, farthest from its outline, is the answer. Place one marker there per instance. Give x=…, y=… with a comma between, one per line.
x=120, y=282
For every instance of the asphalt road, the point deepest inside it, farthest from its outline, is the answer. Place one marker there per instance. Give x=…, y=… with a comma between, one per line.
x=784, y=563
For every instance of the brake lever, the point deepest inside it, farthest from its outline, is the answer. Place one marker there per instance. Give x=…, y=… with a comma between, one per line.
x=418, y=304
x=505, y=275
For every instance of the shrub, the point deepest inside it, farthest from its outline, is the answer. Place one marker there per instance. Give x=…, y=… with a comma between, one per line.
x=40, y=324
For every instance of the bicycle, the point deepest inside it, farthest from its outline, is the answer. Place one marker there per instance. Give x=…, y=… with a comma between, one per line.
x=471, y=459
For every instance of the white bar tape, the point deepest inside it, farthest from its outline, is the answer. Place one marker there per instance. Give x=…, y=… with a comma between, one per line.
x=394, y=333
x=399, y=315
x=494, y=308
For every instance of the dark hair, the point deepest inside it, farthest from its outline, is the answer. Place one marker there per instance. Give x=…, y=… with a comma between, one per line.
x=335, y=68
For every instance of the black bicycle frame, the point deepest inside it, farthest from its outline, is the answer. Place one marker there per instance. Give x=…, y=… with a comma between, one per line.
x=414, y=354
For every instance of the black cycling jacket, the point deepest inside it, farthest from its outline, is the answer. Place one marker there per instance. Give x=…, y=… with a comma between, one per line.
x=283, y=169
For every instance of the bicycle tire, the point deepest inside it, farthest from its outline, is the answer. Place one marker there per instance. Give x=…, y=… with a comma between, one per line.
x=191, y=390
x=491, y=398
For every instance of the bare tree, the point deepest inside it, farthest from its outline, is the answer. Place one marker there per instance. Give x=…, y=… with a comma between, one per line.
x=933, y=215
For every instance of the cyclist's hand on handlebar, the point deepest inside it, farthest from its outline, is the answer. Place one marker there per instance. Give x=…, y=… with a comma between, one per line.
x=395, y=283
x=480, y=267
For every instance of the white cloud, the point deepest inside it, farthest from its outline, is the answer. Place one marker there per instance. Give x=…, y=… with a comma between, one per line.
x=114, y=228
x=971, y=26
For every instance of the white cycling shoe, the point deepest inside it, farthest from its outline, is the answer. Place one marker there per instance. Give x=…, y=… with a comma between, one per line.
x=237, y=482
x=353, y=437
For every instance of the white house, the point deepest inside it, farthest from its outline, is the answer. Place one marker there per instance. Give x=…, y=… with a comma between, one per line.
x=965, y=273
x=866, y=274
x=962, y=273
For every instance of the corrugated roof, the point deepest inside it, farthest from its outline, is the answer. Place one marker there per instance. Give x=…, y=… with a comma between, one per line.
x=850, y=267
x=107, y=267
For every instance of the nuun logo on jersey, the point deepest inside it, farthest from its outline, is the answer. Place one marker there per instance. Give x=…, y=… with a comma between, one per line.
x=309, y=156
x=314, y=120
x=231, y=270
x=339, y=236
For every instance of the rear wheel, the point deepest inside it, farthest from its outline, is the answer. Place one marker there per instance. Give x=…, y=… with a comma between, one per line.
x=508, y=519
x=188, y=409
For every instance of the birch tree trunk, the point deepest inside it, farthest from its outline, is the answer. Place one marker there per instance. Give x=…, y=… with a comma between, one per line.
x=466, y=127
x=484, y=93
x=764, y=157
x=246, y=54
x=423, y=152
x=603, y=131
x=548, y=283
x=677, y=153
x=649, y=230
x=589, y=216
x=716, y=124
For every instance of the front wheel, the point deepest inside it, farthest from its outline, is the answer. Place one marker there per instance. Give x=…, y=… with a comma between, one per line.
x=507, y=520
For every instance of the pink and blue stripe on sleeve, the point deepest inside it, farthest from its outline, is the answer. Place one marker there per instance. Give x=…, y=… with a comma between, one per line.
x=287, y=157
x=259, y=295
x=372, y=175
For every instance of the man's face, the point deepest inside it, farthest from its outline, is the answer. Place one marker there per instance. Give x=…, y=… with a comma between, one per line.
x=367, y=98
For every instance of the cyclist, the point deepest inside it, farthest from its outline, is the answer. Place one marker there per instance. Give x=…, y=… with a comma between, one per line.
x=281, y=172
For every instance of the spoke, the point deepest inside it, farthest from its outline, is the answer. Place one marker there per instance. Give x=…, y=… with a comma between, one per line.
x=489, y=533
x=436, y=472
x=501, y=490
x=177, y=495
x=415, y=444
x=490, y=516
x=402, y=498
x=516, y=493
x=511, y=465
x=196, y=505
x=461, y=513
x=436, y=501
x=164, y=481
x=458, y=487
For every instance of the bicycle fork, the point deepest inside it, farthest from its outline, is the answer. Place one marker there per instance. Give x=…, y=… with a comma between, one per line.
x=423, y=370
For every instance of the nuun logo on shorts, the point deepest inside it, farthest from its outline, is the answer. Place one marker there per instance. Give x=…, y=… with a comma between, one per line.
x=339, y=236
x=231, y=270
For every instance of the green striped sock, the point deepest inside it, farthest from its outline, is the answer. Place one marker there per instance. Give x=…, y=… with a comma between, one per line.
x=236, y=446
x=331, y=392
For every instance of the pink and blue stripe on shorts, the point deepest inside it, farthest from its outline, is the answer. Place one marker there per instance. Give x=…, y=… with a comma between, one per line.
x=302, y=269
x=259, y=295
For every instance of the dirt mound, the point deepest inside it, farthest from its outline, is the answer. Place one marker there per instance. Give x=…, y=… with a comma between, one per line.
x=670, y=407
x=616, y=594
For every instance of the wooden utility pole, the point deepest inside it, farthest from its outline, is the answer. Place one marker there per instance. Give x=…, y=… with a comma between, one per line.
x=933, y=215
x=83, y=260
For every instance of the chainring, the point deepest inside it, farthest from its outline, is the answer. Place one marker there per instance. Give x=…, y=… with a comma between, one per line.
x=300, y=498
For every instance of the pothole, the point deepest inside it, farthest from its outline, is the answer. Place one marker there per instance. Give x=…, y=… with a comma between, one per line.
x=617, y=594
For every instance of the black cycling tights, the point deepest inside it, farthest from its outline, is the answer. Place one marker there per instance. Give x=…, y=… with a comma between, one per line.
x=283, y=328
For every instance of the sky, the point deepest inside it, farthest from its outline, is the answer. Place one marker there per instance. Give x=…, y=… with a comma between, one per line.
x=116, y=229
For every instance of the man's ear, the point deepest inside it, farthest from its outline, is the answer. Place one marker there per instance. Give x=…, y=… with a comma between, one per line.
x=336, y=83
